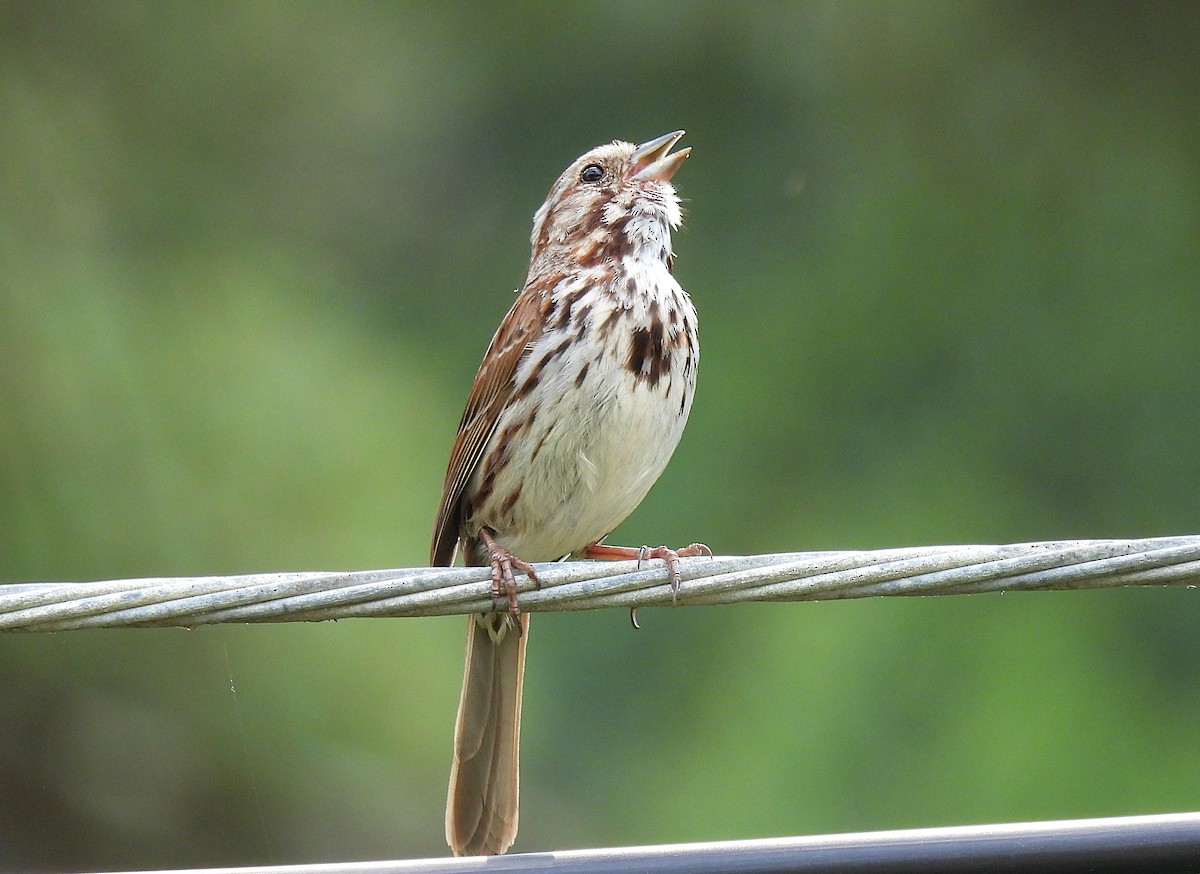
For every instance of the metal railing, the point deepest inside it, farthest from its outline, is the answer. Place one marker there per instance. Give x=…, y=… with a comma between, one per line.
x=1167, y=844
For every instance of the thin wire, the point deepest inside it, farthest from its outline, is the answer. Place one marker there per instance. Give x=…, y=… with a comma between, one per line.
x=585, y=585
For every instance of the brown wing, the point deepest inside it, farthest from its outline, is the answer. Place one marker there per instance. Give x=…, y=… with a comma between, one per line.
x=489, y=394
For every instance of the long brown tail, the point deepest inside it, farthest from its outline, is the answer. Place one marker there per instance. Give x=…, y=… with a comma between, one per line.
x=481, y=811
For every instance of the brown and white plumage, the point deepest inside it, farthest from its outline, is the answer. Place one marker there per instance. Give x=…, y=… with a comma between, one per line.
x=578, y=405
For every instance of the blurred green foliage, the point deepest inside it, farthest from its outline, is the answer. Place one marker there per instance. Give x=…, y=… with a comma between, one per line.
x=946, y=257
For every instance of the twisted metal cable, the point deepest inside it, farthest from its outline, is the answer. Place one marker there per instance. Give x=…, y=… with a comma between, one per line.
x=587, y=585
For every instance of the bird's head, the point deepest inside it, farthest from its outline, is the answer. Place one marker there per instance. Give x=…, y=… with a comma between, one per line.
x=614, y=199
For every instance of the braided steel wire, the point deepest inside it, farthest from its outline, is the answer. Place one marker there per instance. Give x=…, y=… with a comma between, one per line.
x=585, y=585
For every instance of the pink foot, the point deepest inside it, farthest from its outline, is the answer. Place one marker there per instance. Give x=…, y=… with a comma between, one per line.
x=642, y=553
x=503, y=562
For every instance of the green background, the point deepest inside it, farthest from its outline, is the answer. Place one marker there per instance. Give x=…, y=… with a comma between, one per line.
x=946, y=258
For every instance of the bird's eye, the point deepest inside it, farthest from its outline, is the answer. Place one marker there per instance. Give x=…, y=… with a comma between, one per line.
x=592, y=173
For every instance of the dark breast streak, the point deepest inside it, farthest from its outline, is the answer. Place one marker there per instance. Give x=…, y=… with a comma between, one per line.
x=649, y=357
x=652, y=342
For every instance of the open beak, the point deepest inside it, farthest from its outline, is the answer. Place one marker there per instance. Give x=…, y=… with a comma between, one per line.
x=652, y=161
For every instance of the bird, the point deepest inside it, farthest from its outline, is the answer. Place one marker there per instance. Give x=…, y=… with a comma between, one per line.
x=578, y=404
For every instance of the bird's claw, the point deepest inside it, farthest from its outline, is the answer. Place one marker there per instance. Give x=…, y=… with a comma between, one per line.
x=671, y=557
x=644, y=553
x=504, y=583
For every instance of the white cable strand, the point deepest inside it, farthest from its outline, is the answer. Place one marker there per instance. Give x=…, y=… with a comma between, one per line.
x=311, y=597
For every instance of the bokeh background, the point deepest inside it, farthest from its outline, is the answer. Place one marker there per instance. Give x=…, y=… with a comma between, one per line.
x=946, y=257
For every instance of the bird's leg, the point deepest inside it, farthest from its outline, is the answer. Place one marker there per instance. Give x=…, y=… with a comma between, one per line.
x=642, y=553
x=503, y=562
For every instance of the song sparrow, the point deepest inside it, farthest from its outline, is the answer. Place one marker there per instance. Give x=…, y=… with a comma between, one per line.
x=576, y=409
